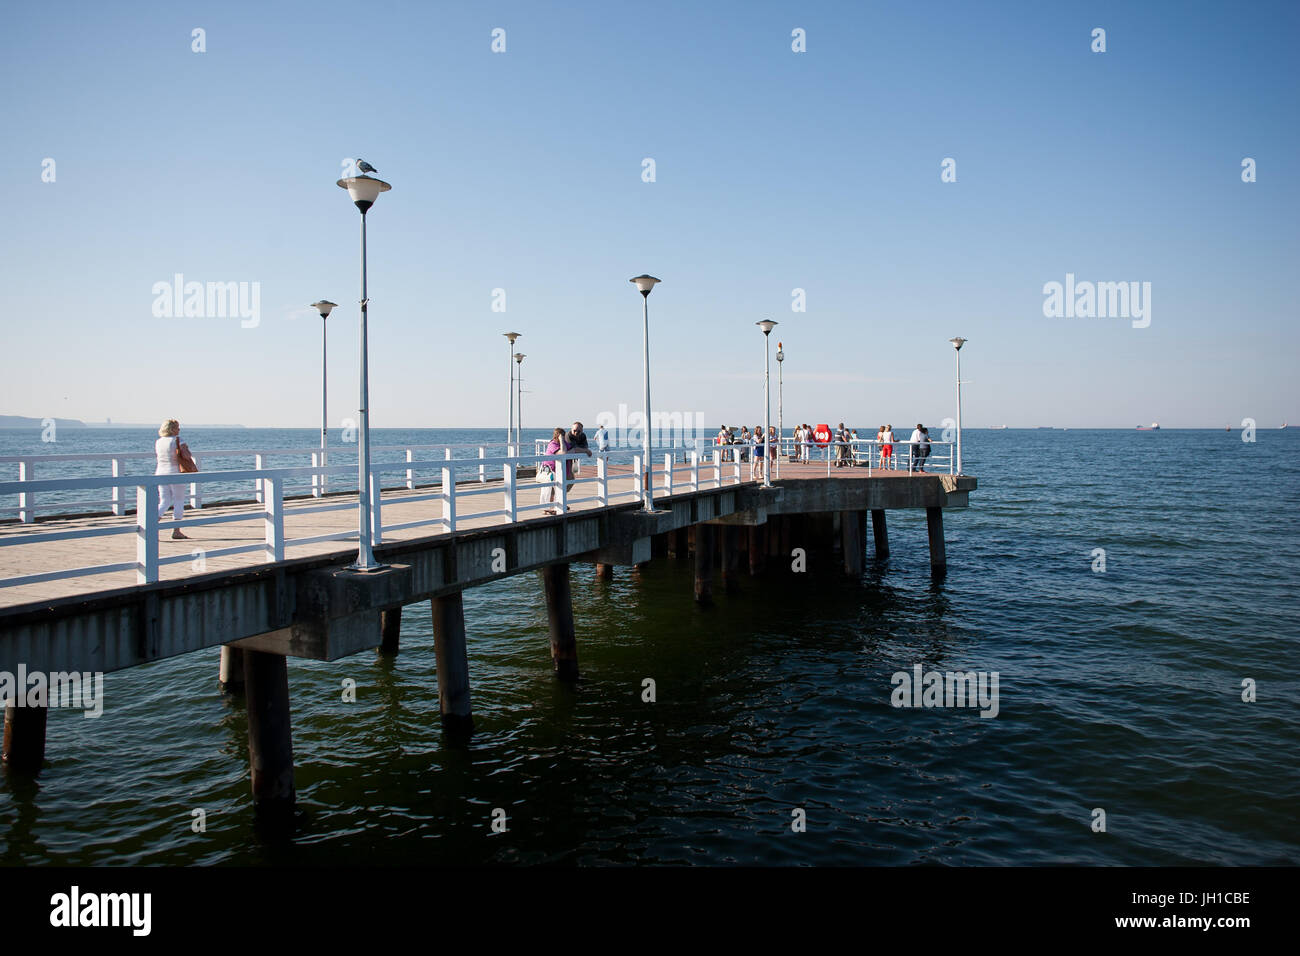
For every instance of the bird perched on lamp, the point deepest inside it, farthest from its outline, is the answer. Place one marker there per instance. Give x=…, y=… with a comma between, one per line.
x=365, y=167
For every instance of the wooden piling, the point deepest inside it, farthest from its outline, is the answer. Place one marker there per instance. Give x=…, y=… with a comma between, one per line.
x=851, y=545
x=452, y=659
x=270, y=737
x=703, y=564
x=559, y=612
x=757, y=549
x=938, y=553
x=729, y=539
x=230, y=674
x=24, y=739
x=390, y=629
x=880, y=532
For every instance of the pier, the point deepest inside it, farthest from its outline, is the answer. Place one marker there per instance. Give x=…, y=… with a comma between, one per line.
x=268, y=578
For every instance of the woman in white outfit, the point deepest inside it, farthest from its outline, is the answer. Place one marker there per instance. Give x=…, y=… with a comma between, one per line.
x=167, y=449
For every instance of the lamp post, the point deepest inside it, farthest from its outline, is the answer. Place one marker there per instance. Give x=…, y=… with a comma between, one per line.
x=780, y=395
x=767, y=325
x=644, y=284
x=519, y=403
x=957, y=343
x=510, y=388
x=324, y=306
x=364, y=190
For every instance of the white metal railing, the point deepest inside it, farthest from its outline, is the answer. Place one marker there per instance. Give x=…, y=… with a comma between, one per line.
x=116, y=497
x=696, y=471
x=875, y=455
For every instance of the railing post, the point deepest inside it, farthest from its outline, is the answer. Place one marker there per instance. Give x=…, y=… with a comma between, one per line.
x=952, y=462
x=376, y=515
x=410, y=474
x=511, y=500
x=737, y=466
x=119, y=506
x=562, y=479
x=829, y=446
x=695, y=471
x=196, y=490
x=638, y=481
x=273, y=510
x=448, y=499
x=717, y=468
x=482, y=469
x=257, y=482
x=146, y=534
x=26, y=500
x=602, y=484
x=668, y=473
x=316, y=479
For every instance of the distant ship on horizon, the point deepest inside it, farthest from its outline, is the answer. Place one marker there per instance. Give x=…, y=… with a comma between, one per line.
x=1004, y=426
x=1153, y=427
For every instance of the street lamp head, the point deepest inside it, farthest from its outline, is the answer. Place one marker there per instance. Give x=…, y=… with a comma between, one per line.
x=780, y=352
x=364, y=190
x=767, y=325
x=519, y=357
x=643, y=283
x=512, y=336
x=957, y=343
x=323, y=307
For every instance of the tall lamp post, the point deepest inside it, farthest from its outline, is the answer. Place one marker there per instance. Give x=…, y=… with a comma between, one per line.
x=957, y=343
x=767, y=325
x=644, y=284
x=364, y=190
x=519, y=402
x=510, y=388
x=324, y=306
x=780, y=395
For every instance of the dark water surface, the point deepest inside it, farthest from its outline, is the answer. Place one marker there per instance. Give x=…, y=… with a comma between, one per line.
x=1118, y=690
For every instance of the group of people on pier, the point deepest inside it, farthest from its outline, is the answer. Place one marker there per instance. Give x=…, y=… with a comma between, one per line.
x=761, y=449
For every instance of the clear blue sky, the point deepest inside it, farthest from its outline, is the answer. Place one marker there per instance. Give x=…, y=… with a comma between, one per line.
x=775, y=170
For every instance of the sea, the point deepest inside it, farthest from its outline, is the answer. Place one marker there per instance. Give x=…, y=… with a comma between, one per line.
x=1134, y=592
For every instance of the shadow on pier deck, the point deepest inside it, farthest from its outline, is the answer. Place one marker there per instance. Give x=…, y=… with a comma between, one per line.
x=314, y=607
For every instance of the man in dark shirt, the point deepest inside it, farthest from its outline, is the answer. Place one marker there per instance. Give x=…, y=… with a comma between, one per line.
x=578, y=439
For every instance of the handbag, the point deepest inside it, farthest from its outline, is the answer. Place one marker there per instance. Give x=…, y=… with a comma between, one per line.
x=185, y=460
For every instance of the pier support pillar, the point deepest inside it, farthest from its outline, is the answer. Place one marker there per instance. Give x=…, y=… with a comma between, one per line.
x=452, y=659
x=938, y=554
x=270, y=737
x=24, y=740
x=757, y=547
x=659, y=546
x=851, y=544
x=604, y=572
x=231, y=673
x=559, y=612
x=881, y=532
x=390, y=630
x=703, y=564
x=728, y=538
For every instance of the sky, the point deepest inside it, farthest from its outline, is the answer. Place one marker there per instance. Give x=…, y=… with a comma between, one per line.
x=775, y=170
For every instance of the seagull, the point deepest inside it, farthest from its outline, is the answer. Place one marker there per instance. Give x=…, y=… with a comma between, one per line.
x=365, y=167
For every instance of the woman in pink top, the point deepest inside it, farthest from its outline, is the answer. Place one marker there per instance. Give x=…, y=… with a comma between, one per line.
x=559, y=445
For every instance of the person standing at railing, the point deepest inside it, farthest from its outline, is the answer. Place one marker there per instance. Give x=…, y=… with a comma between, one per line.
x=578, y=440
x=744, y=443
x=546, y=471
x=169, y=451
x=925, y=446
x=853, y=447
x=917, y=458
x=760, y=447
x=886, y=438
x=841, y=446
x=773, y=445
x=602, y=438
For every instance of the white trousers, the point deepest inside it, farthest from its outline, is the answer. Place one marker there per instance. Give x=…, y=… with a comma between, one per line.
x=171, y=497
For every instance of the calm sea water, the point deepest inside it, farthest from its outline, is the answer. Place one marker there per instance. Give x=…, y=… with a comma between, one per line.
x=1119, y=690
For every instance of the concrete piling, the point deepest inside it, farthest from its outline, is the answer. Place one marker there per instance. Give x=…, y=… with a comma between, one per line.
x=230, y=675
x=24, y=738
x=270, y=737
x=704, y=564
x=938, y=552
x=880, y=532
x=390, y=629
x=757, y=549
x=851, y=545
x=559, y=612
x=729, y=540
x=452, y=659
